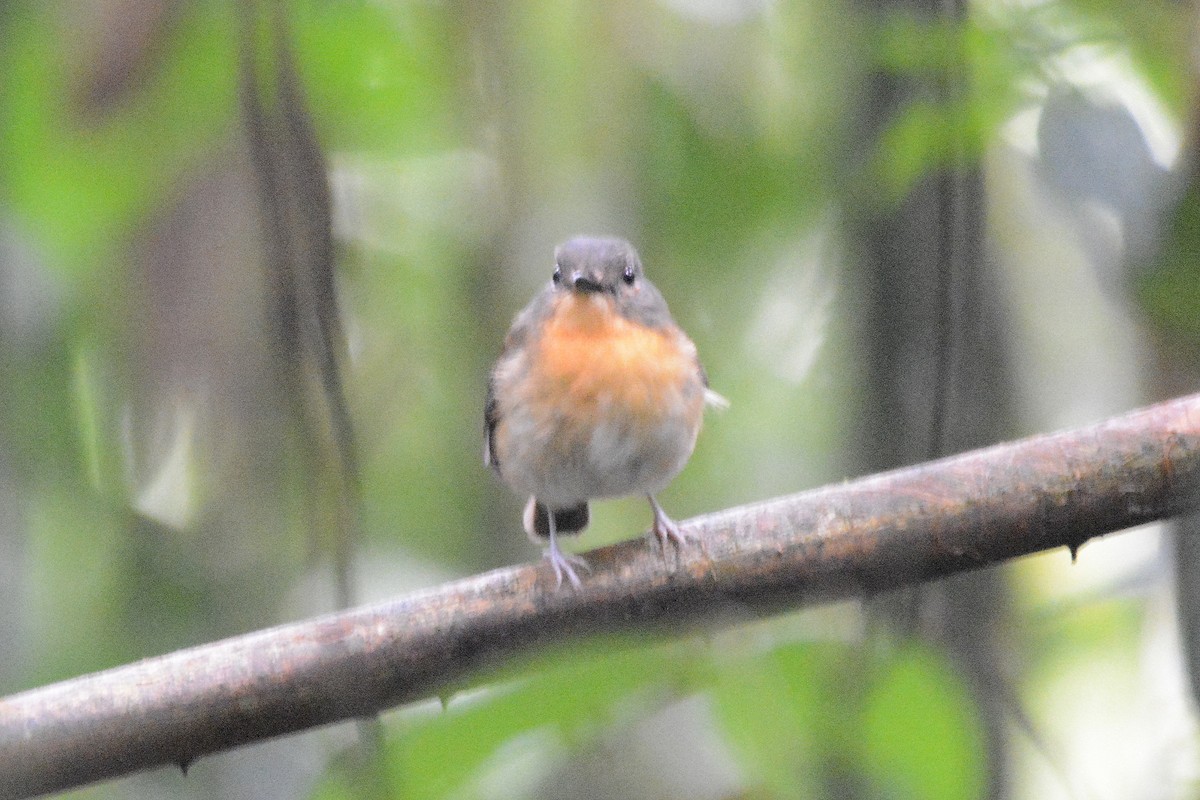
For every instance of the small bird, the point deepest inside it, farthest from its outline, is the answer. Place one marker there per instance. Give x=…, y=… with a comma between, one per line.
x=597, y=393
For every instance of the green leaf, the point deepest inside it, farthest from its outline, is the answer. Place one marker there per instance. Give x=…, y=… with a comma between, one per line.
x=1155, y=33
x=378, y=78
x=919, y=141
x=921, y=733
x=565, y=697
x=763, y=726
x=791, y=716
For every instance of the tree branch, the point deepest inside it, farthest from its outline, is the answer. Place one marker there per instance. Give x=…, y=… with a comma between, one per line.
x=860, y=537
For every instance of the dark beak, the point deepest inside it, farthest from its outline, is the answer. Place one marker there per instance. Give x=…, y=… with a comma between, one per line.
x=585, y=283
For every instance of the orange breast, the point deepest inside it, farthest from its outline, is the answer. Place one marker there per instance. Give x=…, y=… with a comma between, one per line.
x=594, y=361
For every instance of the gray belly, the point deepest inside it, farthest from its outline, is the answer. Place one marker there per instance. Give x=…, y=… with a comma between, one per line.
x=611, y=460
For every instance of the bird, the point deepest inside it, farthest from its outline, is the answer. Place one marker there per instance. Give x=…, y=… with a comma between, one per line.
x=597, y=393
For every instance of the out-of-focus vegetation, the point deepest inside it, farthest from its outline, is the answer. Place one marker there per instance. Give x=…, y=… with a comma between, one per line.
x=151, y=486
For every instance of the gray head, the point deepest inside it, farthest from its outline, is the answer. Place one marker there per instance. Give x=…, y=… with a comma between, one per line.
x=605, y=266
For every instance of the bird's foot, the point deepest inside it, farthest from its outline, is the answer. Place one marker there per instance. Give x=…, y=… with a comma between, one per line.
x=665, y=528
x=564, y=563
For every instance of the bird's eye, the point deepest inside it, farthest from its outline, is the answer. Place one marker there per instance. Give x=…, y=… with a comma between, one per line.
x=628, y=276
x=557, y=274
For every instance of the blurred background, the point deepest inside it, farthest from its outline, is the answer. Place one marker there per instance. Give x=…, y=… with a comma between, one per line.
x=256, y=260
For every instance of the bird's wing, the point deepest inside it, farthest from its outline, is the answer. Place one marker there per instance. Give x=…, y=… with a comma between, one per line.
x=491, y=416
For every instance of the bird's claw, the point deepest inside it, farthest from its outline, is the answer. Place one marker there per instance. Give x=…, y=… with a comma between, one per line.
x=665, y=528
x=562, y=563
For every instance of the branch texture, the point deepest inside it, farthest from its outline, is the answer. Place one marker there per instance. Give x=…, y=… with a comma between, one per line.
x=856, y=538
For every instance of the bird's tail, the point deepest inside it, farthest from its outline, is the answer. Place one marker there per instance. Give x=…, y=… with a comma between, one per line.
x=566, y=520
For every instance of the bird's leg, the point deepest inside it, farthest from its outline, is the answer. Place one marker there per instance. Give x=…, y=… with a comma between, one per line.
x=562, y=561
x=665, y=528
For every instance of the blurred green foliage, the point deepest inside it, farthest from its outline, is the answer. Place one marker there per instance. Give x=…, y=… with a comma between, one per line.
x=902, y=720
x=76, y=184
x=464, y=141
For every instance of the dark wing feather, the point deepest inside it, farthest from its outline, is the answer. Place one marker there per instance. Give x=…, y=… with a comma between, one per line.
x=491, y=416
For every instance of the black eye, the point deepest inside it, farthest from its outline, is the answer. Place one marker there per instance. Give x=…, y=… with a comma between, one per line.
x=628, y=276
x=557, y=274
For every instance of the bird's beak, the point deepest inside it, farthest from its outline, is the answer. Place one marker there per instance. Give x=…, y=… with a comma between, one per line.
x=583, y=282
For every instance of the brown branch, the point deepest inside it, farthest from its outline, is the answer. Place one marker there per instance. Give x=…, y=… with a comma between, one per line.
x=851, y=539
